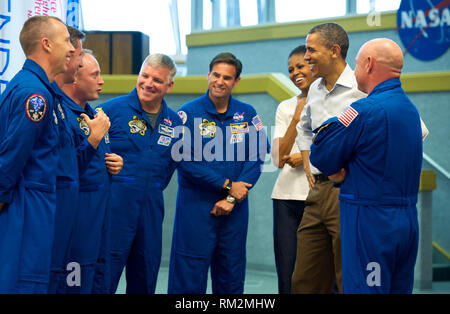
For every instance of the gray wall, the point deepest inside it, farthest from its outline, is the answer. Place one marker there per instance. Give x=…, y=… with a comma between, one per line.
x=271, y=55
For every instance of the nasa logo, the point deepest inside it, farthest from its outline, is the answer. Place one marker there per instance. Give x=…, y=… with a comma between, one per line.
x=424, y=27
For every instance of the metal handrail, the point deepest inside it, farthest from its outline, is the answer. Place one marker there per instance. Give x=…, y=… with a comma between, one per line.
x=438, y=167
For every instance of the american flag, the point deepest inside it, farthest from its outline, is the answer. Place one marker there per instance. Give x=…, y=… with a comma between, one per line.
x=257, y=123
x=347, y=116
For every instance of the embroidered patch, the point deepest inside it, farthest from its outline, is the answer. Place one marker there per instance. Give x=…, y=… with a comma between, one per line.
x=61, y=111
x=106, y=137
x=237, y=138
x=183, y=116
x=83, y=126
x=238, y=117
x=256, y=120
x=137, y=126
x=99, y=109
x=55, y=117
x=239, y=127
x=166, y=130
x=348, y=116
x=164, y=140
x=36, y=106
x=167, y=121
x=207, y=128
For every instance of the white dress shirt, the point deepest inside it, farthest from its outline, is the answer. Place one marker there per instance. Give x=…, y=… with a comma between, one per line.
x=322, y=104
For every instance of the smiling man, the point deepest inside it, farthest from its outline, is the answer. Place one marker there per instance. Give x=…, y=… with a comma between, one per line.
x=28, y=158
x=143, y=132
x=318, y=262
x=88, y=243
x=211, y=219
x=375, y=149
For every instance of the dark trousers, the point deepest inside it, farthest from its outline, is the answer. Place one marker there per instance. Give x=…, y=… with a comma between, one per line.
x=287, y=215
x=318, y=263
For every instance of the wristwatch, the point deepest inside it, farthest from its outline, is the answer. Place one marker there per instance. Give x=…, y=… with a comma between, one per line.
x=231, y=199
x=227, y=187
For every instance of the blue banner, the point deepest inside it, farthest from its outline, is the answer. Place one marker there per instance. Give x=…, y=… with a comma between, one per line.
x=73, y=13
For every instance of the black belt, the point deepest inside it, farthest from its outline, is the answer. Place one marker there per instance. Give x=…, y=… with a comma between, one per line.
x=321, y=178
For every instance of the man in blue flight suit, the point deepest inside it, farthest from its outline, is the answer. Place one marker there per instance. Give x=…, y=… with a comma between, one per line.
x=143, y=132
x=28, y=159
x=223, y=150
x=375, y=149
x=72, y=150
x=89, y=239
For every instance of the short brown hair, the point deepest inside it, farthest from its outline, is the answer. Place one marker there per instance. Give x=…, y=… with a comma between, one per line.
x=75, y=34
x=229, y=58
x=33, y=30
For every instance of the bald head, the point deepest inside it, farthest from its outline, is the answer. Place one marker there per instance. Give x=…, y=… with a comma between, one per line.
x=385, y=52
x=377, y=61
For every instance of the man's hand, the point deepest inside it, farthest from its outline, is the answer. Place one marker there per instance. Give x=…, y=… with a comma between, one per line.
x=311, y=179
x=293, y=160
x=338, y=177
x=114, y=163
x=97, y=126
x=309, y=175
x=239, y=190
x=222, y=207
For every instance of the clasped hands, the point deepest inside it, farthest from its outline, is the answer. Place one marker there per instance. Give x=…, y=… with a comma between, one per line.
x=239, y=190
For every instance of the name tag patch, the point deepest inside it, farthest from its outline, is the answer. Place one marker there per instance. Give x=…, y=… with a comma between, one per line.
x=241, y=127
x=164, y=140
x=166, y=130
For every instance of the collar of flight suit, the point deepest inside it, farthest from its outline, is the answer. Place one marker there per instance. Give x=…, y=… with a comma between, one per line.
x=72, y=105
x=135, y=104
x=386, y=85
x=211, y=108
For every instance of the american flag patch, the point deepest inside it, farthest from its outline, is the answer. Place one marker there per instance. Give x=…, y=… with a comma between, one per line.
x=347, y=116
x=257, y=122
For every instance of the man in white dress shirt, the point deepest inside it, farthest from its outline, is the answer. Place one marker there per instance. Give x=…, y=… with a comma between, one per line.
x=318, y=262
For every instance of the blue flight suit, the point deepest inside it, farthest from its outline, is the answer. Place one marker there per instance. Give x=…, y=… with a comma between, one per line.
x=72, y=150
x=28, y=159
x=215, y=148
x=89, y=239
x=378, y=141
x=137, y=203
